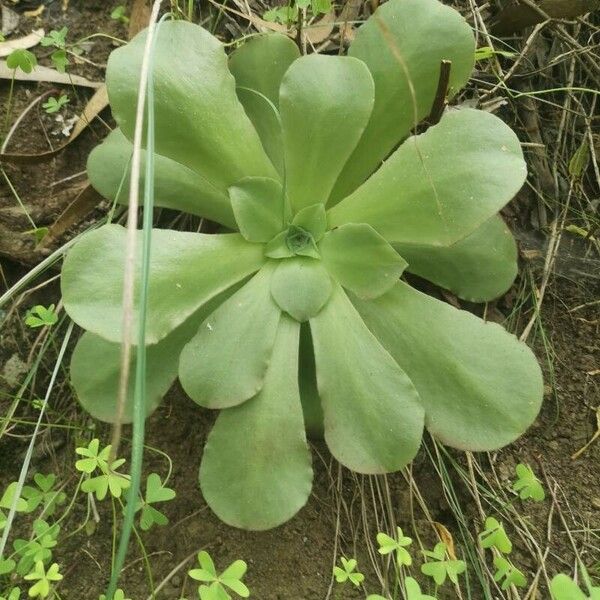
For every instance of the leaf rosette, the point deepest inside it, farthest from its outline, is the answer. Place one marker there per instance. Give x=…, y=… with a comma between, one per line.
x=294, y=317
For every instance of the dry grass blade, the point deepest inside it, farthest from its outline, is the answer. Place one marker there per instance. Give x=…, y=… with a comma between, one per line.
x=23, y=43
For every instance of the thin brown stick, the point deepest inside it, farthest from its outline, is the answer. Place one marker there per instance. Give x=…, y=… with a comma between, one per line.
x=441, y=94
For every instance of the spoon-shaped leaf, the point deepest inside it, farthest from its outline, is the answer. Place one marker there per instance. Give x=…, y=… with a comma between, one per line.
x=199, y=121
x=438, y=187
x=373, y=416
x=361, y=260
x=175, y=185
x=481, y=387
x=301, y=286
x=403, y=45
x=259, y=207
x=256, y=469
x=325, y=103
x=225, y=363
x=477, y=268
x=187, y=270
x=258, y=66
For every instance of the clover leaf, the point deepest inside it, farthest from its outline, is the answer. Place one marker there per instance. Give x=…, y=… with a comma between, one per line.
x=44, y=494
x=527, y=484
x=7, y=565
x=230, y=578
x=94, y=458
x=508, y=573
x=57, y=39
x=60, y=60
x=38, y=549
x=109, y=478
x=297, y=319
x=118, y=595
x=53, y=104
x=119, y=14
x=494, y=536
x=413, y=590
x=7, y=499
x=44, y=579
x=398, y=545
x=14, y=594
x=441, y=566
x=563, y=587
x=156, y=491
x=21, y=59
x=348, y=572
x=40, y=316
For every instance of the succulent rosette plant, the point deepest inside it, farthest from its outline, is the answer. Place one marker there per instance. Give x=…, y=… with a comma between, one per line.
x=295, y=316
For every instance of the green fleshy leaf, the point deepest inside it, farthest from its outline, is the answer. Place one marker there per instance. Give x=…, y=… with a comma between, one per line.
x=373, y=416
x=256, y=469
x=199, y=122
x=301, y=287
x=403, y=45
x=487, y=387
x=187, y=270
x=225, y=363
x=438, y=187
x=313, y=219
x=478, y=268
x=325, y=103
x=361, y=260
x=307, y=379
x=278, y=247
x=259, y=207
x=96, y=367
x=175, y=186
x=258, y=66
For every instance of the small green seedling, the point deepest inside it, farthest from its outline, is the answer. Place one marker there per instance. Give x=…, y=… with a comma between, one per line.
x=508, y=573
x=487, y=52
x=53, y=105
x=39, y=549
x=494, y=536
x=6, y=502
x=108, y=479
x=289, y=14
x=40, y=316
x=58, y=40
x=527, y=484
x=413, y=591
x=7, y=565
x=118, y=14
x=44, y=579
x=55, y=39
x=44, y=494
x=441, y=566
x=118, y=595
x=155, y=492
x=230, y=578
x=21, y=59
x=348, y=572
x=388, y=544
x=14, y=594
x=563, y=587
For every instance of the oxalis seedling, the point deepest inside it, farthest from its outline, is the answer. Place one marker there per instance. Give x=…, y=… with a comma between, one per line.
x=299, y=319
